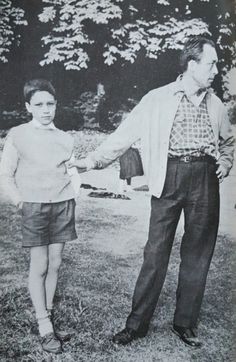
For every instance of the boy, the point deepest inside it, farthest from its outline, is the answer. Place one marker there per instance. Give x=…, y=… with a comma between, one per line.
x=33, y=172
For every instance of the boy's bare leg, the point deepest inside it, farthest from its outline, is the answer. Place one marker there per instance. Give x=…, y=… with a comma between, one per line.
x=55, y=258
x=37, y=275
x=54, y=262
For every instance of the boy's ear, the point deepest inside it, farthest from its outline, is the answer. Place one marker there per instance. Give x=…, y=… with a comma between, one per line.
x=27, y=106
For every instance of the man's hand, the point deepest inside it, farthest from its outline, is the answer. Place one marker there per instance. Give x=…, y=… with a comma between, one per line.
x=80, y=164
x=19, y=206
x=221, y=172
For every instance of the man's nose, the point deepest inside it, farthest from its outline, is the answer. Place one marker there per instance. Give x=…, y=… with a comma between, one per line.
x=215, y=69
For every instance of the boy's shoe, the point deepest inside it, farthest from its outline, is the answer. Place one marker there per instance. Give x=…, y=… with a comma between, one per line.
x=50, y=343
x=63, y=336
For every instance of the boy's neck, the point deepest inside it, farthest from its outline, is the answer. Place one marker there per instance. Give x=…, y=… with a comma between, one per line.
x=37, y=124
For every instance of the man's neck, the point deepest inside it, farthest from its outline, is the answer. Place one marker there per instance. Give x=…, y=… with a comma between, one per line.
x=192, y=89
x=190, y=86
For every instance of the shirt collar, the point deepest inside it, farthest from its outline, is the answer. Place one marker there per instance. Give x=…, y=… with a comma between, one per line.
x=180, y=87
x=37, y=124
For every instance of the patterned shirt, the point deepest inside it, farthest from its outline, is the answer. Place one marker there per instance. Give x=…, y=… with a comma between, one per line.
x=192, y=132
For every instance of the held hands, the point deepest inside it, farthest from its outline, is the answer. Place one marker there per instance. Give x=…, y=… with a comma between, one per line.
x=79, y=164
x=221, y=172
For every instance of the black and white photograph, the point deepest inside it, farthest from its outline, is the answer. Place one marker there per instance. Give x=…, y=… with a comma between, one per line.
x=117, y=181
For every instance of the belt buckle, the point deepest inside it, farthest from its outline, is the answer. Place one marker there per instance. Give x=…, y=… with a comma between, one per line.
x=187, y=159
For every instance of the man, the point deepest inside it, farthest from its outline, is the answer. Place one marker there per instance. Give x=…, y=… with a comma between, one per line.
x=187, y=149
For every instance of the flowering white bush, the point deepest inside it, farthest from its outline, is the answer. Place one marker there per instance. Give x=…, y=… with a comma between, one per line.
x=129, y=27
x=10, y=18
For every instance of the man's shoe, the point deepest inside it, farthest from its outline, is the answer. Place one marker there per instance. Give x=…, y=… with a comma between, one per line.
x=187, y=335
x=127, y=335
x=50, y=343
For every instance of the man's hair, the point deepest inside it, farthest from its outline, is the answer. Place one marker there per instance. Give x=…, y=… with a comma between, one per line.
x=37, y=85
x=193, y=49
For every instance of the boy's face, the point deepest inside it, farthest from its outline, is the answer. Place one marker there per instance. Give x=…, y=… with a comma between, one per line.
x=42, y=106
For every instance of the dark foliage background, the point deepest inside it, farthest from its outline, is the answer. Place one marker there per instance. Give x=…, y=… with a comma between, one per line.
x=132, y=66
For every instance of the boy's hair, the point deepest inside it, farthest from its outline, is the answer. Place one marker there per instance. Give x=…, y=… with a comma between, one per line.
x=37, y=85
x=193, y=49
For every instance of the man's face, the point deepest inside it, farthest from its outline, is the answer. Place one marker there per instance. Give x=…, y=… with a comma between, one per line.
x=42, y=106
x=204, y=71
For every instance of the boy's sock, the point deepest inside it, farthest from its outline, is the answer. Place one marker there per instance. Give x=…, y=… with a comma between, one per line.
x=50, y=311
x=63, y=336
x=44, y=324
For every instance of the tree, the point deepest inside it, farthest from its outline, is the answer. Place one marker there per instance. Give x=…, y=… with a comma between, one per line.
x=131, y=27
x=68, y=40
x=11, y=19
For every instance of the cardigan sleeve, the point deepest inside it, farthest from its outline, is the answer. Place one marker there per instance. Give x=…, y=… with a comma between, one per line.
x=129, y=131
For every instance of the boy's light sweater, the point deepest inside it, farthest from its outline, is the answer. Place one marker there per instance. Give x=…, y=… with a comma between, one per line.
x=33, y=165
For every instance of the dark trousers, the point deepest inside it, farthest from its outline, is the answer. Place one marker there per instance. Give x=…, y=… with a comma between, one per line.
x=194, y=188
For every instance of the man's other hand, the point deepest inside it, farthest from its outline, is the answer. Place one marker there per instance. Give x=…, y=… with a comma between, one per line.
x=221, y=172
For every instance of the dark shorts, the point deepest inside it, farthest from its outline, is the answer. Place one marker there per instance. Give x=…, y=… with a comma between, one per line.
x=48, y=223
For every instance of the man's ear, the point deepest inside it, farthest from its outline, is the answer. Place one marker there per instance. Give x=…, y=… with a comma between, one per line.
x=27, y=106
x=191, y=65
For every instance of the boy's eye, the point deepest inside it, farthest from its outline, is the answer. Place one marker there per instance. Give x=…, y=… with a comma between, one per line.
x=49, y=104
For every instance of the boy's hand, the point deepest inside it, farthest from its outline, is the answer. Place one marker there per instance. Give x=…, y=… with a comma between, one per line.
x=80, y=164
x=221, y=172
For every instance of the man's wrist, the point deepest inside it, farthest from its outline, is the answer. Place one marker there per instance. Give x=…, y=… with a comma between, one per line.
x=18, y=204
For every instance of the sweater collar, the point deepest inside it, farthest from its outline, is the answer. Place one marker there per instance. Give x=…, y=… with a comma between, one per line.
x=37, y=124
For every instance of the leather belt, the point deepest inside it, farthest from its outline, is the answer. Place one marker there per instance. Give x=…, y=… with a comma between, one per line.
x=189, y=158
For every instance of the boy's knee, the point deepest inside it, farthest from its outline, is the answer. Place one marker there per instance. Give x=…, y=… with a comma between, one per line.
x=55, y=262
x=39, y=268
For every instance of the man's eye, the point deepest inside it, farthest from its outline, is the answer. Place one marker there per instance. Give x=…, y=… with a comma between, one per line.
x=38, y=104
x=51, y=104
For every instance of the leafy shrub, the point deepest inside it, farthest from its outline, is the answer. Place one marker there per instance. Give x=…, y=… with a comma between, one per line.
x=232, y=111
x=9, y=119
x=68, y=118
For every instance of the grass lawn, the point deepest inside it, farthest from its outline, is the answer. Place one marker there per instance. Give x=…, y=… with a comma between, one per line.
x=95, y=289
x=94, y=296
